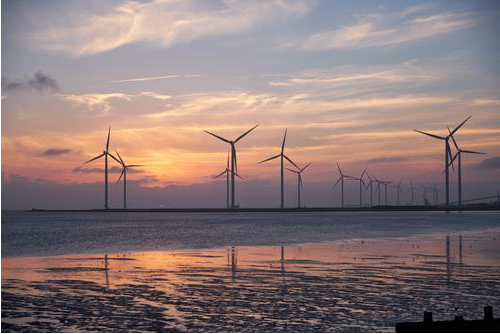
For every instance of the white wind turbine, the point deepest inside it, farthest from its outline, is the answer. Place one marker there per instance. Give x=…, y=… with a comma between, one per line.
x=227, y=171
x=282, y=156
x=124, y=174
x=234, y=162
x=105, y=154
x=299, y=181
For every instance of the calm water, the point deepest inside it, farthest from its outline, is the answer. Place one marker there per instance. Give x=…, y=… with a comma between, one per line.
x=356, y=285
x=245, y=272
x=38, y=234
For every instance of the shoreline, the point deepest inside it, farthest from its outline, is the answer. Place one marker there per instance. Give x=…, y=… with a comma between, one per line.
x=389, y=208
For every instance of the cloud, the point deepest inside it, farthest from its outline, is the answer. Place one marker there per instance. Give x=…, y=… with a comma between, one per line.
x=39, y=82
x=490, y=163
x=113, y=170
x=382, y=29
x=162, y=23
x=102, y=101
x=162, y=77
x=55, y=151
x=386, y=160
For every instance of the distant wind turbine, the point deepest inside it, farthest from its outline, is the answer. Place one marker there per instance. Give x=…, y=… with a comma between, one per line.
x=299, y=181
x=447, y=154
x=282, y=156
x=459, y=155
x=227, y=171
x=412, y=189
x=370, y=185
x=124, y=174
x=341, y=180
x=105, y=154
x=234, y=162
x=399, y=190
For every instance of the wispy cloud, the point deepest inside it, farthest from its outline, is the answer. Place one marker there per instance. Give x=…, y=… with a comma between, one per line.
x=95, y=102
x=113, y=170
x=55, y=152
x=161, y=77
x=103, y=101
x=163, y=23
x=382, y=29
x=386, y=160
x=490, y=163
x=39, y=82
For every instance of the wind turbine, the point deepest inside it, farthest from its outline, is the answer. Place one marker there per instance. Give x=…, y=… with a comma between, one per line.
x=447, y=154
x=105, y=154
x=370, y=184
x=378, y=187
x=299, y=181
x=386, y=183
x=435, y=191
x=227, y=171
x=459, y=155
x=234, y=162
x=398, y=188
x=341, y=179
x=282, y=156
x=124, y=174
x=412, y=188
x=361, y=182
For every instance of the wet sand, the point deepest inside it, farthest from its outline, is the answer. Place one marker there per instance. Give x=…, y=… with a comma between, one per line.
x=344, y=286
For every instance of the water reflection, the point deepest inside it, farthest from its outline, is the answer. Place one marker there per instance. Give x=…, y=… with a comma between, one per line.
x=377, y=282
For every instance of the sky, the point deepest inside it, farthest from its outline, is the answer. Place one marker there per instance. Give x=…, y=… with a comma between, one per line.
x=349, y=80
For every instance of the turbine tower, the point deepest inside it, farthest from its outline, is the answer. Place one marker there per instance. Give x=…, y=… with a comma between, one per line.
x=227, y=171
x=234, y=162
x=105, y=154
x=299, y=181
x=459, y=155
x=447, y=154
x=282, y=156
x=124, y=174
x=341, y=179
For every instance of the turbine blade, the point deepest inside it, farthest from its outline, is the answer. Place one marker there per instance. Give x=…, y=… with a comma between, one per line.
x=362, y=174
x=453, y=139
x=243, y=135
x=238, y=175
x=448, y=151
x=123, y=172
x=227, y=160
x=134, y=166
x=472, y=152
x=112, y=156
x=109, y=134
x=235, y=159
x=219, y=137
x=300, y=182
x=340, y=171
x=291, y=170
x=271, y=158
x=290, y=161
x=458, y=127
x=93, y=159
x=122, y=162
x=303, y=169
x=340, y=178
x=224, y=172
x=430, y=134
x=283, y=144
